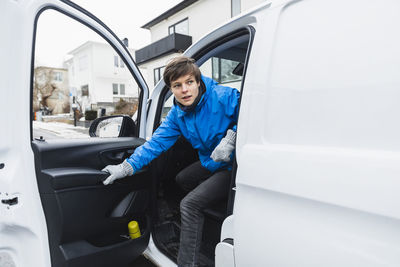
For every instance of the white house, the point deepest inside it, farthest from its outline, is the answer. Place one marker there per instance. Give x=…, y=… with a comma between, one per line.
x=177, y=28
x=98, y=77
x=50, y=89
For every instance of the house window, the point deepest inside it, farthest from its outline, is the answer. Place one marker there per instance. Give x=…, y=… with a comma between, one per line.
x=115, y=88
x=235, y=7
x=85, y=90
x=158, y=74
x=122, y=89
x=58, y=76
x=181, y=27
x=118, y=62
x=222, y=70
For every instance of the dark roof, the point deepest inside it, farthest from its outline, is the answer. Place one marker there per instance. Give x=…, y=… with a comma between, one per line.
x=169, y=13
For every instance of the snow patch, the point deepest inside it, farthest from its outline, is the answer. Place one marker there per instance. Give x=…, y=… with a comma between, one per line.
x=62, y=130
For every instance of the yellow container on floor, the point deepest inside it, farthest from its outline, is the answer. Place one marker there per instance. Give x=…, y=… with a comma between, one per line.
x=133, y=228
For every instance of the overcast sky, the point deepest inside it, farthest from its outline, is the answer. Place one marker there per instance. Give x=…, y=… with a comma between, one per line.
x=57, y=33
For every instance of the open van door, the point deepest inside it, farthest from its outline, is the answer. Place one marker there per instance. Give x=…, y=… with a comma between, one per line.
x=54, y=209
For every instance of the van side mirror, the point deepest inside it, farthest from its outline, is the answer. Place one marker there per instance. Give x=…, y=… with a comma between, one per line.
x=113, y=126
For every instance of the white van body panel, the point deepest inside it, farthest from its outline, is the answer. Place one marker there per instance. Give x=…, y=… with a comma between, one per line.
x=23, y=232
x=224, y=255
x=227, y=228
x=318, y=146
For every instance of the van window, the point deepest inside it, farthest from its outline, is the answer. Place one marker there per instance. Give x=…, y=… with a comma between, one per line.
x=223, y=70
x=77, y=77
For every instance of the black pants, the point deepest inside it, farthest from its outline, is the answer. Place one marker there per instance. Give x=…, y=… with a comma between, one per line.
x=205, y=188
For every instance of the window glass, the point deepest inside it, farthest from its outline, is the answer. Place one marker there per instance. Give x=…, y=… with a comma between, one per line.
x=170, y=29
x=215, y=68
x=74, y=80
x=162, y=72
x=223, y=70
x=85, y=90
x=122, y=89
x=115, y=89
x=181, y=27
x=116, y=58
x=169, y=102
x=226, y=71
x=58, y=76
x=158, y=74
x=235, y=7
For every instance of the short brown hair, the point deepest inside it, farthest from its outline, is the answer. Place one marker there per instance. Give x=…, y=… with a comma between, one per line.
x=180, y=66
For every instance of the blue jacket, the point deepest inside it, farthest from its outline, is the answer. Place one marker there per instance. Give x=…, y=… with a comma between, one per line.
x=204, y=127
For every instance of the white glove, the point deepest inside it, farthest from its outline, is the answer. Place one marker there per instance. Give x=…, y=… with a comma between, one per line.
x=117, y=172
x=224, y=149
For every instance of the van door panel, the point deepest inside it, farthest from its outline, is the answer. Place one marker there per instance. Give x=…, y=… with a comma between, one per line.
x=87, y=221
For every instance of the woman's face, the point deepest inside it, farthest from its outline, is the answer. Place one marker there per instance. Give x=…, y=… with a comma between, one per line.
x=185, y=89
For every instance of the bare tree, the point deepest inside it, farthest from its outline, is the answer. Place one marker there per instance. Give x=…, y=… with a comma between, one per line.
x=43, y=87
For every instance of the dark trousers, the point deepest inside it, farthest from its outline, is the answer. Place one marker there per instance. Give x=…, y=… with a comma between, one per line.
x=205, y=188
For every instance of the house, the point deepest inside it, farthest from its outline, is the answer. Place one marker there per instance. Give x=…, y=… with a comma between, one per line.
x=99, y=78
x=51, y=90
x=177, y=28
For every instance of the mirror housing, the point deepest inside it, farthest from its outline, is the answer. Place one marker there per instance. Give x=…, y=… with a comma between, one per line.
x=113, y=126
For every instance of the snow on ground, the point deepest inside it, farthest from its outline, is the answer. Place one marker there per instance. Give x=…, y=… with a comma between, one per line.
x=63, y=130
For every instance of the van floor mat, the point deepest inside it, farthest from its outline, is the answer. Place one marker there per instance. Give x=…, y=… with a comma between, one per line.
x=167, y=236
x=167, y=232
x=167, y=212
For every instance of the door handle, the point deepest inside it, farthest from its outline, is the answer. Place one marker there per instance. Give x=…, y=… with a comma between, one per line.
x=115, y=156
x=10, y=202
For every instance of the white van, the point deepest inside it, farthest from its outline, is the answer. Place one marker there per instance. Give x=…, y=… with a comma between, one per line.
x=317, y=178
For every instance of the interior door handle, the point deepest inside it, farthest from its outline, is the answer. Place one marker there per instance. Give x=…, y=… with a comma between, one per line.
x=115, y=156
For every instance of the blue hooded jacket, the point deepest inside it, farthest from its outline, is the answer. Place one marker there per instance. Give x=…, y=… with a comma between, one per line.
x=204, y=127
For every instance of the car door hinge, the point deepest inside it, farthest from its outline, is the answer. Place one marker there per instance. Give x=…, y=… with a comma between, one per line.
x=10, y=202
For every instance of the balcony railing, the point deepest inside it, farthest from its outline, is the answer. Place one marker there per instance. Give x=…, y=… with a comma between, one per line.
x=172, y=43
